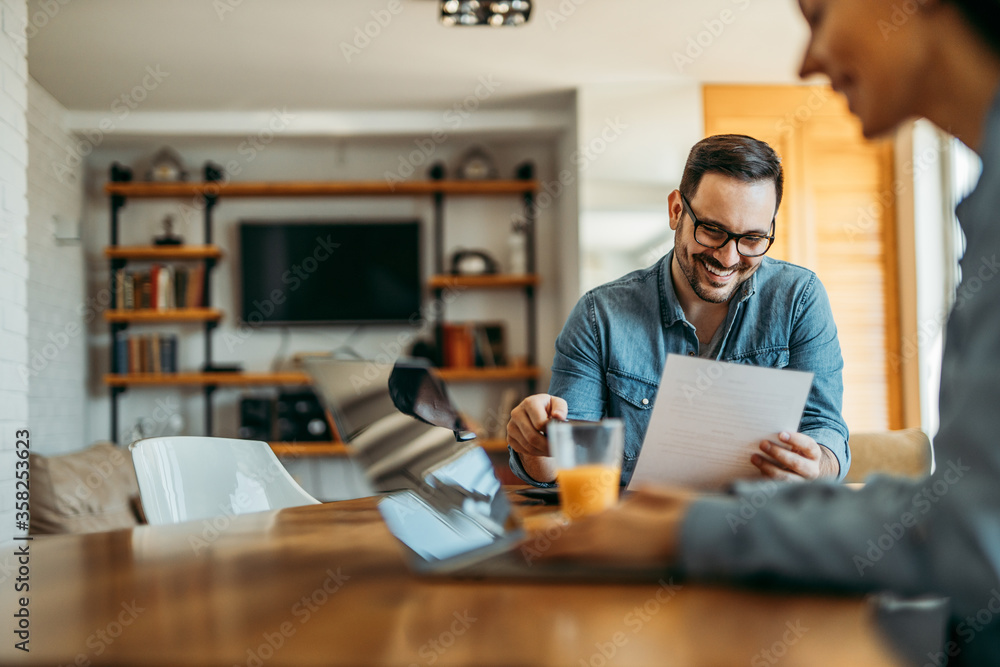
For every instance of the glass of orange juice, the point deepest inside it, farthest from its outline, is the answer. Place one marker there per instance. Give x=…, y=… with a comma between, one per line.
x=588, y=458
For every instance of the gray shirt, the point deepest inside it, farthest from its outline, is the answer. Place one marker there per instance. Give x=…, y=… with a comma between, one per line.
x=712, y=349
x=939, y=535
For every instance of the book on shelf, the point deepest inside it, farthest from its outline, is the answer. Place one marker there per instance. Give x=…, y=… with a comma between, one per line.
x=133, y=354
x=168, y=354
x=457, y=345
x=154, y=354
x=180, y=287
x=482, y=348
x=121, y=353
x=154, y=286
x=473, y=344
x=160, y=288
x=145, y=291
x=129, y=292
x=145, y=353
x=493, y=348
x=163, y=282
x=196, y=285
x=119, y=285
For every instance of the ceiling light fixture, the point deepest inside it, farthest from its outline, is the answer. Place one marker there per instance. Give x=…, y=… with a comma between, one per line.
x=485, y=12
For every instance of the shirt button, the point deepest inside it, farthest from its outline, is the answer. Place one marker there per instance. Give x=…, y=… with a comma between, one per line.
x=645, y=401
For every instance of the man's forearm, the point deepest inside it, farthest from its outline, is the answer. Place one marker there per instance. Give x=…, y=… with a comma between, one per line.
x=539, y=468
x=835, y=446
x=830, y=465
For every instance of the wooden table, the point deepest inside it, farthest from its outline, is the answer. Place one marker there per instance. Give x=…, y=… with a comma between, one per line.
x=327, y=585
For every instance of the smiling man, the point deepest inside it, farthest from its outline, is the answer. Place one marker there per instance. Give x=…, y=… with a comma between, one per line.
x=715, y=295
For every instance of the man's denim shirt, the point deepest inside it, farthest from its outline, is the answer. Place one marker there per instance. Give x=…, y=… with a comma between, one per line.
x=611, y=352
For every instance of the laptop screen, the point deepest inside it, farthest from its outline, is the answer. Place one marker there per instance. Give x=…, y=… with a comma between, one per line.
x=444, y=501
x=462, y=510
x=355, y=391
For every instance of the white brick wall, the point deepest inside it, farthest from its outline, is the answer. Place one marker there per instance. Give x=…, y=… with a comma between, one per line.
x=56, y=332
x=13, y=245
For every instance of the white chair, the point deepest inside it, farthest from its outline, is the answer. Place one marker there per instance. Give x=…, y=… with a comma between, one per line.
x=189, y=478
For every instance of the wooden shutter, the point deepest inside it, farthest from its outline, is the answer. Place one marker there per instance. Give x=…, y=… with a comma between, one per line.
x=837, y=218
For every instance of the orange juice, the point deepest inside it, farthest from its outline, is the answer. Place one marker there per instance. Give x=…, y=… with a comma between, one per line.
x=588, y=489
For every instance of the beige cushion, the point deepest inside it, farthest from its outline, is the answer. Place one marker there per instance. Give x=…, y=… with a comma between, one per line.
x=83, y=492
x=905, y=453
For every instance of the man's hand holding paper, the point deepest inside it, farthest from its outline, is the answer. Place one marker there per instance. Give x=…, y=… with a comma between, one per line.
x=795, y=457
x=716, y=422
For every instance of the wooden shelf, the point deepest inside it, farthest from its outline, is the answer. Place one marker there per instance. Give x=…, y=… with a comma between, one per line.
x=143, y=315
x=309, y=449
x=436, y=190
x=300, y=449
x=496, y=374
x=498, y=445
x=486, y=281
x=293, y=377
x=231, y=379
x=319, y=188
x=163, y=253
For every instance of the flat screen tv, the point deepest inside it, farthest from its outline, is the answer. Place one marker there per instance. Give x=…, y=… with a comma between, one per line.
x=330, y=272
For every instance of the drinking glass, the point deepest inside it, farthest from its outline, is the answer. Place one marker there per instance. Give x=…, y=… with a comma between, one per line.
x=588, y=458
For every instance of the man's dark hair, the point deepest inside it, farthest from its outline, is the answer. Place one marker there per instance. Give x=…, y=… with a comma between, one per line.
x=734, y=155
x=982, y=16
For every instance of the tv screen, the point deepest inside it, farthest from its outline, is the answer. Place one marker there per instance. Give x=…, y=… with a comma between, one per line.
x=323, y=272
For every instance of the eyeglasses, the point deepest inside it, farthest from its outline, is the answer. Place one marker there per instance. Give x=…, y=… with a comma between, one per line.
x=715, y=237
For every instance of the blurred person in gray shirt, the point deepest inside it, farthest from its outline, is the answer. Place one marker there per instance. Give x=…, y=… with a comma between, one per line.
x=939, y=535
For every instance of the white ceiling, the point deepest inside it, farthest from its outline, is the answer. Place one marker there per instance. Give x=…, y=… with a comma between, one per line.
x=288, y=54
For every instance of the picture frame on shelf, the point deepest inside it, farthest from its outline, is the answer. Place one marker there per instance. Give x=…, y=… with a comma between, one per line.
x=490, y=350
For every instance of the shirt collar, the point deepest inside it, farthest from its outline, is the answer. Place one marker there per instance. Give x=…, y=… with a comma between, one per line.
x=749, y=287
x=670, y=305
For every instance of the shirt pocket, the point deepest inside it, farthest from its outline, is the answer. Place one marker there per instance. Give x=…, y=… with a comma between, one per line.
x=770, y=357
x=631, y=399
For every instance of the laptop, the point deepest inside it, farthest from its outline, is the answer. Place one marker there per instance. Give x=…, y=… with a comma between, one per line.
x=441, y=498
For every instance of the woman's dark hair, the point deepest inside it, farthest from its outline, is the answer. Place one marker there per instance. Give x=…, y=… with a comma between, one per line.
x=984, y=16
x=735, y=155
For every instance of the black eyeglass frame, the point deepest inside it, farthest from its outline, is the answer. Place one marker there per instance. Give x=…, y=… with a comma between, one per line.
x=729, y=235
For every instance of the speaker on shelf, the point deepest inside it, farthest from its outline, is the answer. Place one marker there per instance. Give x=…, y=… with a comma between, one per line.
x=301, y=417
x=256, y=418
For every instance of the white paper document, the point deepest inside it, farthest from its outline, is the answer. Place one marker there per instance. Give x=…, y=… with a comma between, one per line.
x=710, y=416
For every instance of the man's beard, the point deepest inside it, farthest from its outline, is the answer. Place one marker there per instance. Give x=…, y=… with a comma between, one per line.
x=712, y=294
